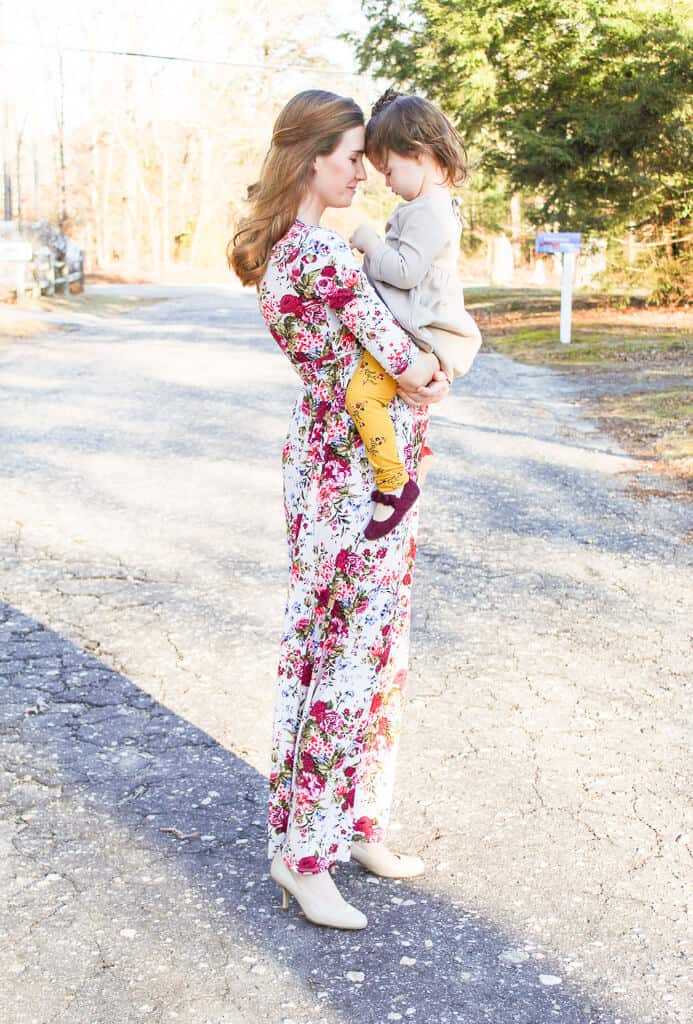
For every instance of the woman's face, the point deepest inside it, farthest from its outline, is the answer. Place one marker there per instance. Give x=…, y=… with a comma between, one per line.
x=337, y=175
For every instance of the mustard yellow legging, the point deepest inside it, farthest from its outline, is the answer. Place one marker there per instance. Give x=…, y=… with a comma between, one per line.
x=370, y=391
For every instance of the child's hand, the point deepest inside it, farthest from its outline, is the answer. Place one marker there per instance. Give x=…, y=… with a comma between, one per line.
x=365, y=239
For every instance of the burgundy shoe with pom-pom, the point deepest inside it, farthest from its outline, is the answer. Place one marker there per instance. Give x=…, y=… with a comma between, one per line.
x=401, y=504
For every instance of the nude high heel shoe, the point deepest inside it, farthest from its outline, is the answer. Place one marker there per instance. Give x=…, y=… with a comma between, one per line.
x=317, y=895
x=377, y=859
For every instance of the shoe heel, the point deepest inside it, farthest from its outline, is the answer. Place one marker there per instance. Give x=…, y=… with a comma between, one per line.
x=285, y=898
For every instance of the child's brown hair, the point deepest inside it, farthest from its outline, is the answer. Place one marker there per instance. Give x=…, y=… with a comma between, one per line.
x=406, y=125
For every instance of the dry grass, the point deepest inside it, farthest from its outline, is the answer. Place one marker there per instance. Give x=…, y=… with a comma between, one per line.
x=15, y=330
x=86, y=302
x=639, y=360
x=18, y=328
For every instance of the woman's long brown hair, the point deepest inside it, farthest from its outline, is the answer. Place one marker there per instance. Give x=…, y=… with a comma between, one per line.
x=311, y=124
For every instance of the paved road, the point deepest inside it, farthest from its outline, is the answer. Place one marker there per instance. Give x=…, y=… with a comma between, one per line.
x=543, y=762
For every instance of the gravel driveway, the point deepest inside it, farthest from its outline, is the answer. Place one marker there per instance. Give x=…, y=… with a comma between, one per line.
x=543, y=764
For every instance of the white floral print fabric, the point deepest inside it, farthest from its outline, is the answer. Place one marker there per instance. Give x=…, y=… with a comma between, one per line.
x=344, y=650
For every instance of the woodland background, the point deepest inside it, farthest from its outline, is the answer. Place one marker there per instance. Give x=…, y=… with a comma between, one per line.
x=137, y=129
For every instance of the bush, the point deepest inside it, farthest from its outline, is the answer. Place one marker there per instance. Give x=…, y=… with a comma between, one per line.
x=654, y=277
x=672, y=281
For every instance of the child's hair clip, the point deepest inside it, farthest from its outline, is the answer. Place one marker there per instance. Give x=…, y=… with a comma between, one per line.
x=385, y=100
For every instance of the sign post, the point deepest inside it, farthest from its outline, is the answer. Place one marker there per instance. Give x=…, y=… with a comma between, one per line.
x=568, y=244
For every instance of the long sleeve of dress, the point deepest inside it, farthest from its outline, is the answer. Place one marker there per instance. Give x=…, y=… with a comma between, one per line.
x=421, y=238
x=347, y=291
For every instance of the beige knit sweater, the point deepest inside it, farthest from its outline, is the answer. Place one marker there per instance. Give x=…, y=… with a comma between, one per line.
x=414, y=270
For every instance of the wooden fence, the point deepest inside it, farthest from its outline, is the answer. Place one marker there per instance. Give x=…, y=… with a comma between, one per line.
x=40, y=273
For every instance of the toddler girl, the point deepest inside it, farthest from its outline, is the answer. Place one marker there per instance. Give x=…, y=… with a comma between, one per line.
x=414, y=270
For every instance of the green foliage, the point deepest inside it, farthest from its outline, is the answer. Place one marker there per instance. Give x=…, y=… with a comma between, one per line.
x=484, y=206
x=661, y=279
x=672, y=283
x=584, y=103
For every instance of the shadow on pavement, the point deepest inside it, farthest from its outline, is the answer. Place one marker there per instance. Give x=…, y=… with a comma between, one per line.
x=67, y=717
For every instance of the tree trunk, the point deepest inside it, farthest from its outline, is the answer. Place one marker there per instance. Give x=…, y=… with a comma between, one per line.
x=37, y=183
x=94, y=194
x=130, y=218
x=165, y=209
x=6, y=165
x=205, y=197
x=154, y=227
x=19, y=175
x=631, y=245
x=62, y=215
x=516, y=228
x=107, y=233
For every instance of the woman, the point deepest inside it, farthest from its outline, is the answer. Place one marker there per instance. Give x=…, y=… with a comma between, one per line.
x=343, y=657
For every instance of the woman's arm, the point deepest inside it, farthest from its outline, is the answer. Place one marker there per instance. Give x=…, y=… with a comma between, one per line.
x=343, y=287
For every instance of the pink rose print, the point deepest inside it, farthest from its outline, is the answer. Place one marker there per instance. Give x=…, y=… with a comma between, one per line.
x=313, y=313
x=323, y=287
x=278, y=818
x=400, y=679
x=308, y=864
x=338, y=626
x=331, y=749
x=365, y=826
x=348, y=562
x=296, y=526
x=332, y=722
x=340, y=298
x=291, y=304
x=318, y=712
x=311, y=784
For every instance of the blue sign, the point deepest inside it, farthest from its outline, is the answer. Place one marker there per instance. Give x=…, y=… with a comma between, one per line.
x=558, y=241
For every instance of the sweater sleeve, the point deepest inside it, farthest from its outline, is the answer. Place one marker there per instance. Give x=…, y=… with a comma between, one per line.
x=421, y=238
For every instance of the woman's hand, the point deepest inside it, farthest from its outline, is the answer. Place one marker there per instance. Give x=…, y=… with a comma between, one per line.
x=423, y=382
x=427, y=394
x=420, y=373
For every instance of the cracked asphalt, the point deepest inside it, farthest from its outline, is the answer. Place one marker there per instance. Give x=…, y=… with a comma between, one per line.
x=544, y=765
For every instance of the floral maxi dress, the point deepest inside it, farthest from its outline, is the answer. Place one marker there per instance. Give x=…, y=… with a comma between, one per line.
x=344, y=650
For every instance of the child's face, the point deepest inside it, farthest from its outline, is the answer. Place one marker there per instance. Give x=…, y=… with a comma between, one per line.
x=404, y=175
